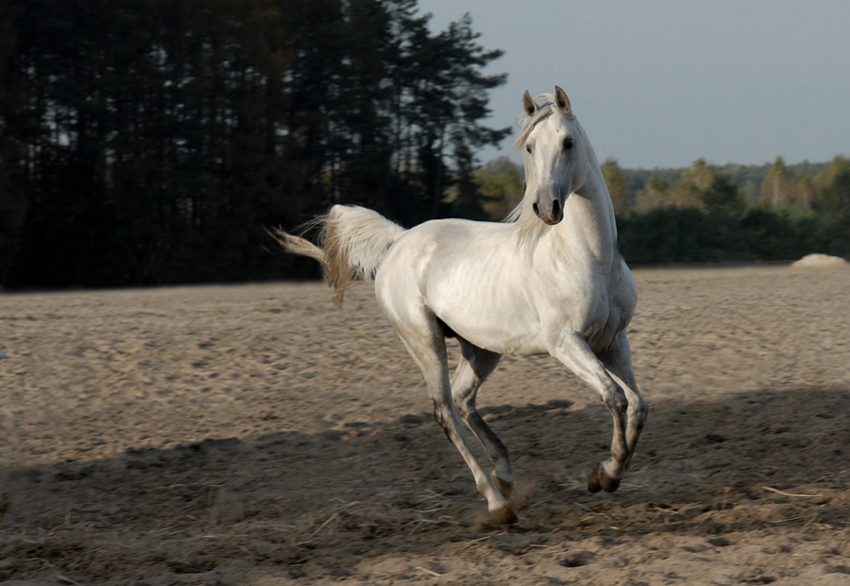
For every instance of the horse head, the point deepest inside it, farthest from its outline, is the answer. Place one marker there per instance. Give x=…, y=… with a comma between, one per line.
x=555, y=157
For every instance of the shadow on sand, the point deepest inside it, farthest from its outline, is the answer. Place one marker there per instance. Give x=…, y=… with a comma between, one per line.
x=304, y=504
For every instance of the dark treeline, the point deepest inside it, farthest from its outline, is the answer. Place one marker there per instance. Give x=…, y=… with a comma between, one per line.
x=708, y=213
x=740, y=213
x=737, y=213
x=151, y=141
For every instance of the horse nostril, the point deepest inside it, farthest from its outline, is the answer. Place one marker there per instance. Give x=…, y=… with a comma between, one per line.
x=556, y=209
x=536, y=211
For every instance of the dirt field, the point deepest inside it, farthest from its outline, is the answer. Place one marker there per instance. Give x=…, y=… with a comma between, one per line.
x=257, y=435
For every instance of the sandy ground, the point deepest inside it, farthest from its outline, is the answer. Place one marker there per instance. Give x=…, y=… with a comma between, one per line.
x=258, y=435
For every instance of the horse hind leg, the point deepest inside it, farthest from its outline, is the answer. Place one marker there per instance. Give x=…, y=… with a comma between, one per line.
x=424, y=340
x=475, y=365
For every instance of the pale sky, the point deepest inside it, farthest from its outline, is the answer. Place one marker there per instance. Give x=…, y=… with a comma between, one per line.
x=661, y=83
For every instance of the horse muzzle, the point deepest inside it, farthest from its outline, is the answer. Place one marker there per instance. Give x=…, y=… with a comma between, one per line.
x=550, y=213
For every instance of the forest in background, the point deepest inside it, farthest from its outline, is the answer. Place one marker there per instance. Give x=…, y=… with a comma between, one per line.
x=145, y=142
x=148, y=142
x=710, y=213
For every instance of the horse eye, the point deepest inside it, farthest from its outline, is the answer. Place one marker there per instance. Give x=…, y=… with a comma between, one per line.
x=528, y=148
x=568, y=143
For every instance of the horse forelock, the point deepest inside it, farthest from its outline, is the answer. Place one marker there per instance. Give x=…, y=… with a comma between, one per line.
x=528, y=123
x=545, y=108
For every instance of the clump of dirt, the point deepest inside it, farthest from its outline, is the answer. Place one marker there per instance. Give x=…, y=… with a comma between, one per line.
x=819, y=261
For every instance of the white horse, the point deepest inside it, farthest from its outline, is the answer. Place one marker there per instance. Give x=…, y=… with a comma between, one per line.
x=550, y=280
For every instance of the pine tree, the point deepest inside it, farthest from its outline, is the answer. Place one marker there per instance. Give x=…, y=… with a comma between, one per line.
x=150, y=141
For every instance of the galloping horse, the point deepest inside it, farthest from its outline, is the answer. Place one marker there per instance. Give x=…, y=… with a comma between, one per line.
x=548, y=280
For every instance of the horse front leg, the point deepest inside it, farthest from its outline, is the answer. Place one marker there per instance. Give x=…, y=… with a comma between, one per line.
x=617, y=358
x=573, y=351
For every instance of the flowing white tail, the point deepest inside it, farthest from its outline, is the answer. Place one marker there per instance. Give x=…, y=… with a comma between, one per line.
x=354, y=241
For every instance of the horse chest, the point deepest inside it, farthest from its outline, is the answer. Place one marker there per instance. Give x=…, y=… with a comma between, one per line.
x=588, y=307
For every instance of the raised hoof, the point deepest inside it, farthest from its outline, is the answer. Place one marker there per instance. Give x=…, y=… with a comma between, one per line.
x=503, y=486
x=598, y=480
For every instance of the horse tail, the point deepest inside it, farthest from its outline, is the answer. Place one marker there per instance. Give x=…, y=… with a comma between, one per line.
x=354, y=241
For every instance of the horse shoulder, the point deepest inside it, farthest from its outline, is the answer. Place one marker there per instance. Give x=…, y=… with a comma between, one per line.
x=622, y=286
x=594, y=299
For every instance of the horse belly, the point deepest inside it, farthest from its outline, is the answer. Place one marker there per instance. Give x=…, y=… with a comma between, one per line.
x=501, y=329
x=489, y=313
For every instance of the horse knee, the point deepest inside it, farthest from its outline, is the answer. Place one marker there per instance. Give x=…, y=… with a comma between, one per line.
x=443, y=416
x=505, y=487
x=616, y=401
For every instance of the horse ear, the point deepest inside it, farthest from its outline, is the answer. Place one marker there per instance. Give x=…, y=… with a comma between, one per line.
x=528, y=103
x=561, y=99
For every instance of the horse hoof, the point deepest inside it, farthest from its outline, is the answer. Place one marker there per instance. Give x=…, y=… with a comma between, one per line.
x=503, y=486
x=593, y=484
x=496, y=519
x=609, y=484
x=503, y=516
x=598, y=480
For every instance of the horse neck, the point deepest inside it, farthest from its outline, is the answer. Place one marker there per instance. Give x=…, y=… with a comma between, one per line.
x=589, y=224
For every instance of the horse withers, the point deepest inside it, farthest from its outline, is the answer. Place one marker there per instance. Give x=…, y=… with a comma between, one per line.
x=548, y=280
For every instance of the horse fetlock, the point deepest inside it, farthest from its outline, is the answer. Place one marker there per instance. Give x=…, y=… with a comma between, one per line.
x=620, y=455
x=503, y=486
